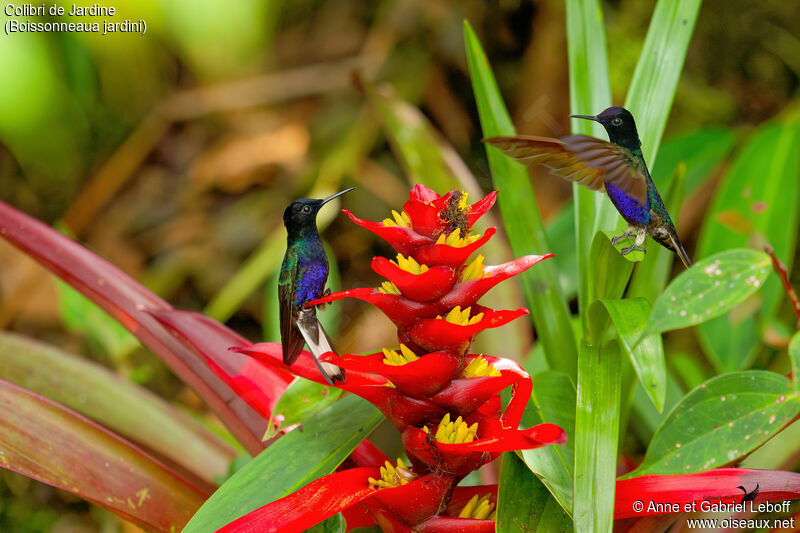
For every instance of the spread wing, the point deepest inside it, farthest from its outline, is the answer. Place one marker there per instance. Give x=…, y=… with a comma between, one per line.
x=291, y=340
x=586, y=160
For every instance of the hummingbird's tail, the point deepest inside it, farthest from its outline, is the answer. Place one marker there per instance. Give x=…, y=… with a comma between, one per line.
x=676, y=243
x=318, y=344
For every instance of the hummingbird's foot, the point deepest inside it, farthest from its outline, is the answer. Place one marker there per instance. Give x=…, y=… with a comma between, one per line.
x=630, y=232
x=629, y=249
x=324, y=306
x=616, y=240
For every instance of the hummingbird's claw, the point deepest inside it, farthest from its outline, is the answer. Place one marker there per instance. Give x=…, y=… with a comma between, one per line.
x=629, y=249
x=616, y=240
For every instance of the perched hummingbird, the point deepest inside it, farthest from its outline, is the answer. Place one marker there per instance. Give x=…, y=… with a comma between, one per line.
x=302, y=278
x=617, y=166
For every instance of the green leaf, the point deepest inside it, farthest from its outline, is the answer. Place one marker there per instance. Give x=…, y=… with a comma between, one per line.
x=523, y=223
x=651, y=275
x=709, y=289
x=301, y=400
x=756, y=203
x=589, y=94
x=596, y=436
x=45, y=441
x=720, y=421
x=630, y=319
x=560, y=233
x=611, y=269
x=523, y=503
x=553, y=401
x=659, y=68
x=794, y=355
x=334, y=524
x=114, y=402
x=291, y=462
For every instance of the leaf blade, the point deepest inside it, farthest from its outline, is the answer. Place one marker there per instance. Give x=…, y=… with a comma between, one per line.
x=290, y=463
x=45, y=441
x=521, y=216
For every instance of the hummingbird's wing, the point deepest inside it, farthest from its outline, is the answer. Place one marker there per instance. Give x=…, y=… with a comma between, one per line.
x=291, y=339
x=591, y=162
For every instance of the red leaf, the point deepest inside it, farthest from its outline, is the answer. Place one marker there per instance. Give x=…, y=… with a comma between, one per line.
x=435, y=334
x=256, y=384
x=425, y=287
x=715, y=486
x=462, y=495
x=444, y=254
x=46, y=441
x=400, y=310
x=401, y=238
x=467, y=293
x=479, y=208
x=132, y=304
x=446, y=524
x=310, y=505
x=418, y=500
x=420, y=378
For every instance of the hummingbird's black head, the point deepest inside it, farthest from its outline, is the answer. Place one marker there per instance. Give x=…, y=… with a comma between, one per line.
x=301, y=215
x=619, y=125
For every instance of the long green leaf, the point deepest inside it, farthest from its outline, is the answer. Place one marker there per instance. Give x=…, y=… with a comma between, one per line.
x=658, y=69
x=721, y=421
x=523, y=503
x=114, y=402
x=589, y=93
x=521, y=216
x=629, y=317
x=302, y=399
x=756, y=203
x=596, y=436
x=45, y=441
x=553, y=401
x=293, y=461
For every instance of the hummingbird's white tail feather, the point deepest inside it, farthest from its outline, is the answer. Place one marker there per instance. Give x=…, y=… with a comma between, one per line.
x=679, y=250
x=318, y=344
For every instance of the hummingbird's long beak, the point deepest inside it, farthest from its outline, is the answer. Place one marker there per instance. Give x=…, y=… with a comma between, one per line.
x=331, y=197
x=587, y=117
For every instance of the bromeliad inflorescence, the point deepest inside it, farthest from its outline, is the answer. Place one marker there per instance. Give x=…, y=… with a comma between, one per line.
x=444, y=401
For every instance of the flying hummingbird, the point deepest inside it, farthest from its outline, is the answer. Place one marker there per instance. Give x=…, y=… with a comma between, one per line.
x=617, y=166
x=302, y=278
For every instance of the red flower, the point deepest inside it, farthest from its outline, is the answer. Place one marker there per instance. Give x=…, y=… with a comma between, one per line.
x=444, y=401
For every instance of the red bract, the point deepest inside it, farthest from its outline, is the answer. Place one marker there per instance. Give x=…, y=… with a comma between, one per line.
x=445, y=402
x=716, y=486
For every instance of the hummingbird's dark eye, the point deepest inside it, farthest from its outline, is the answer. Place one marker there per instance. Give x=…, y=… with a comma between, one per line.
x=306, y=209
x=616, y=122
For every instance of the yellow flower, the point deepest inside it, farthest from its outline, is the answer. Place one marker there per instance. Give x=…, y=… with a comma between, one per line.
x=391, y=357
x=461, y=318
x=478, y=508
x=456, y=240
x=454, y=431
x=409, y=265
x=480, y=367
x=392, y=476
x=474, y=270
x=400, y=219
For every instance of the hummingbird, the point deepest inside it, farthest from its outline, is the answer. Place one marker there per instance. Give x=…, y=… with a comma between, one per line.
x=618, y=167
x=302, y=278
